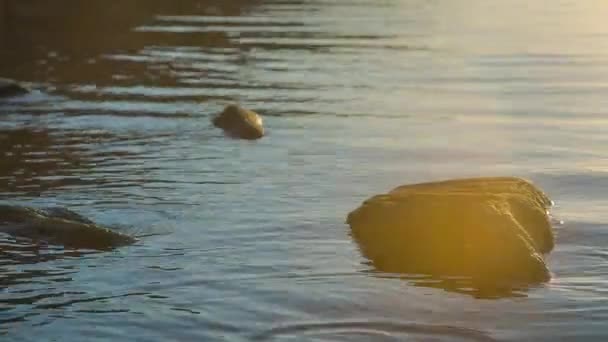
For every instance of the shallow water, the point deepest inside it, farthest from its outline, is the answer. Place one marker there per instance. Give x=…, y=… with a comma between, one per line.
x=246, y=240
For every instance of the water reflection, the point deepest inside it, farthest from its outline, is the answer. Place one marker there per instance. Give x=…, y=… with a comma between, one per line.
x=16, y=253
x=37, y=159
x=471, y=287
x=72, y=52
x=25, y=281
x=462, y=285
x=142, y=58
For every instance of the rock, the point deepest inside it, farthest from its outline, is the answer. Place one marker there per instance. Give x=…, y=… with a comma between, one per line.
x=9, y=88
x=491, y=230
x=240, y=123
x=59, y=226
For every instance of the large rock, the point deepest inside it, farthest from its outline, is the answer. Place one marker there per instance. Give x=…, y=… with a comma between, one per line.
x=240, y=122
x=59, y=226
x=9, y=88
x=491, y=230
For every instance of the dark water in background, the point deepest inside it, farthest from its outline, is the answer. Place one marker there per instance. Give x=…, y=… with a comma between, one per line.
x=358, y=96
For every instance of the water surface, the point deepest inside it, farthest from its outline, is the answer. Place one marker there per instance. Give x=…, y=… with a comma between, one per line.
x=247, y=240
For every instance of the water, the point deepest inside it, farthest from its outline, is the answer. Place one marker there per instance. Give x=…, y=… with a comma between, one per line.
x=247, y=239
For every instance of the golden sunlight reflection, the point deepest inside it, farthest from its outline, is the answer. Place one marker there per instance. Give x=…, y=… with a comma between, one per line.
x=522, y=26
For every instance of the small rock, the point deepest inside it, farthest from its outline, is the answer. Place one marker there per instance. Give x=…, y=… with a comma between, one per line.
x=239, y=122
x=59, y=226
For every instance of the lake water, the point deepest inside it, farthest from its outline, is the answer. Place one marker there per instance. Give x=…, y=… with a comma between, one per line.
x=246, y=240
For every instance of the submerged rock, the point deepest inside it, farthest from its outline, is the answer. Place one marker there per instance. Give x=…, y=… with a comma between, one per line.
x=9, y=88
x=239, y=122
x=59, y=226
x=492, y=230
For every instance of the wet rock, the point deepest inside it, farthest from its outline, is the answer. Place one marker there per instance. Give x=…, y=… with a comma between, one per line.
x=59, y=226
x=9, y=88
x=492, y=230
x=239, y=122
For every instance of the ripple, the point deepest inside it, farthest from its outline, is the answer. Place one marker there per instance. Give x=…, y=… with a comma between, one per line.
x=72, y=302
x=251, y=20
x=397, y=331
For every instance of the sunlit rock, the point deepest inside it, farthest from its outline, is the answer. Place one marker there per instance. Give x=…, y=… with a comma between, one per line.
x=240, y=122
x=488, y=229
x=10, y=88
x=59, y=226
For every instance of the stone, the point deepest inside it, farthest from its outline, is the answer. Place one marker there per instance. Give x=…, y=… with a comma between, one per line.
x=10, y=88
x=59, y=226
x=239, y=122
x=491, y=230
